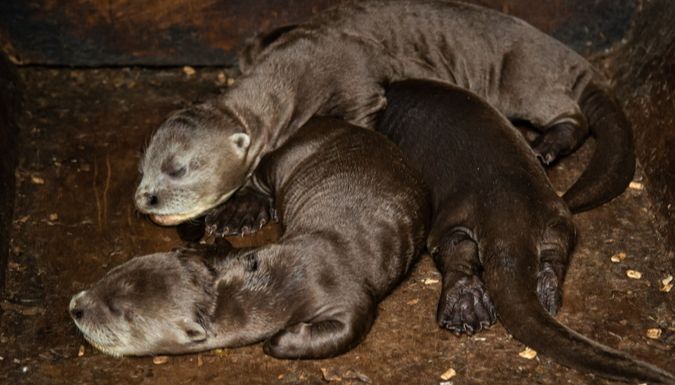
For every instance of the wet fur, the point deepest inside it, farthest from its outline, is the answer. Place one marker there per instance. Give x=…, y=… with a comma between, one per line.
x=312, y=294
x=495, y=210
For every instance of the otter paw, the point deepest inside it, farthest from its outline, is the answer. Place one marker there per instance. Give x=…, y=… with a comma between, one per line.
x=245, y=213
x=466, y=307
x=547, y=149
x=549, y=289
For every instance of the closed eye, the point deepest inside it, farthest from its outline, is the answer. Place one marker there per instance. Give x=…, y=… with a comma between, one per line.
x=177, y=173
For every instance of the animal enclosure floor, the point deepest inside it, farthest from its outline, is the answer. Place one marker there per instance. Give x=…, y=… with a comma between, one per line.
x=82, y=134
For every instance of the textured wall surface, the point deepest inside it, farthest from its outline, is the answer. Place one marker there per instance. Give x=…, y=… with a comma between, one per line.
x=644, y=73
x=9, y=105
x=207, y=32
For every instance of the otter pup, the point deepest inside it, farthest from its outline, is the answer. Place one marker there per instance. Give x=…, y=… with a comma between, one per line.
x=355, y=217
x=338, y=63
x=495, y=211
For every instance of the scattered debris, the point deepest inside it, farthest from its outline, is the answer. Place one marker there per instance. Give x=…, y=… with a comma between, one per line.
x=445, y=383
x=633, y=274
x=80, y=352
x=330, y=374
x=160, y=360
x=448, y=374
x=667, y=284
x=337, y=374
x=654, y=333
x=53, y=217
x=189, y=71
x=636, y=186
x=23, y=219
x=230, y=82
x=221, y=79
x=528, y=353
x=413, y=301
x=430, y=281
x=618, y=257
x=37, y=180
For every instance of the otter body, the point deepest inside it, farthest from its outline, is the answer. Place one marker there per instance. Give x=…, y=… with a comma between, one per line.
x=355, y=217
x=338, y=63
x=494, y=210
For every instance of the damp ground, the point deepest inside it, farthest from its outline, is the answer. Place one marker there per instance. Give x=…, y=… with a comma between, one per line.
x=82, y=134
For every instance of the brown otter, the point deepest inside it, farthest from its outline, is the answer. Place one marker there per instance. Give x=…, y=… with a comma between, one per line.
x=313, y=294
x=495, y=211
x=338, y=63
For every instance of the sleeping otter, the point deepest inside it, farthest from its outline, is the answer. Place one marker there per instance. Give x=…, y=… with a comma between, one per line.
x=312, y=294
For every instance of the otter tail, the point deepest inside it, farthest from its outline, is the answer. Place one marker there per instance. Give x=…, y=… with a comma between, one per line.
x=613, y=163
x=512, y=286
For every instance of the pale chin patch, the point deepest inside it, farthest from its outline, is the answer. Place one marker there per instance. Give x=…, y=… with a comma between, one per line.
x=176, y=219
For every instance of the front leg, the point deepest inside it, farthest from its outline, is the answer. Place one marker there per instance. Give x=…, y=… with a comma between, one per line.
x=246, y=212
x=328, y=337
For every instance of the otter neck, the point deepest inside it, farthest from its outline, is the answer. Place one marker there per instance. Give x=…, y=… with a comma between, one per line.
x=272, y=105
x=258, y=294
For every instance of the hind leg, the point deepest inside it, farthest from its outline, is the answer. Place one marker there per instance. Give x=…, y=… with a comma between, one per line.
x=558, y=140
x=554, y=255
x=328, y=337
x=464, y=306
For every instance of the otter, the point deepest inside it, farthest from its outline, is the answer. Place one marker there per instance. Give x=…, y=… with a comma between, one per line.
x=494, y=211
x=338, y=63
x=312, y=294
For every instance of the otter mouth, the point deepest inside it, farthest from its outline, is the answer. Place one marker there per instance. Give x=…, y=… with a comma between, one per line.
x=170, y=220
x=106, y=349
x=176, y=219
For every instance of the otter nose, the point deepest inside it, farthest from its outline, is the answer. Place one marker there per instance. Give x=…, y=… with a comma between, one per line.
x=151, y=200
x=146, y=200
x=75, y=308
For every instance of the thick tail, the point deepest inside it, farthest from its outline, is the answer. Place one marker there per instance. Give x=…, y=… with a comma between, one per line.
x=513, y=290
x=613, y=163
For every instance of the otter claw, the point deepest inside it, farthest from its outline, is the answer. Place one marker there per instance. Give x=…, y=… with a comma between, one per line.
x=245, y=213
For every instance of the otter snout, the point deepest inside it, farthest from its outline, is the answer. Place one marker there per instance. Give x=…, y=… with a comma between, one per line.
x=79, y=305
x=146, y=200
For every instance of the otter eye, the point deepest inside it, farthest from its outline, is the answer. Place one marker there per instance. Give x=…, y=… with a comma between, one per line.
x=177, y=173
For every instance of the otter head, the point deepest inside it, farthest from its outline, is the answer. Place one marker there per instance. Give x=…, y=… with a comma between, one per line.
x=158, y=303
x=194, y=162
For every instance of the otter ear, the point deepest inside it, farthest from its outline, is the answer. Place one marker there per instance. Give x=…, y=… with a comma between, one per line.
x=241, y=142
x=194, y=332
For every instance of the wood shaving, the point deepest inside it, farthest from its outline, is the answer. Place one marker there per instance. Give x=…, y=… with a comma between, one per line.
x=80, y=352
x=448, y=374
x=633, y=274
x=413, y=301
x=636, y=186
x=654, y=333
x=53, y=217
x=667, y=284
x=430, y=281
x=189, y=71
x=160, y=360
x=618, y=257
x=37, y=180
x=528, y=353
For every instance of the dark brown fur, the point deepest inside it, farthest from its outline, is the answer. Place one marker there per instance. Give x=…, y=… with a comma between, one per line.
x=494, y=209
x=355, y=217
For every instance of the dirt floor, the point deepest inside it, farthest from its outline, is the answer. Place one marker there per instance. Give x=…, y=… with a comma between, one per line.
x=82, y=134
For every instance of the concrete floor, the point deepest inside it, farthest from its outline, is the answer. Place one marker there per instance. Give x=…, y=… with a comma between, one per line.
x=81, y=137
